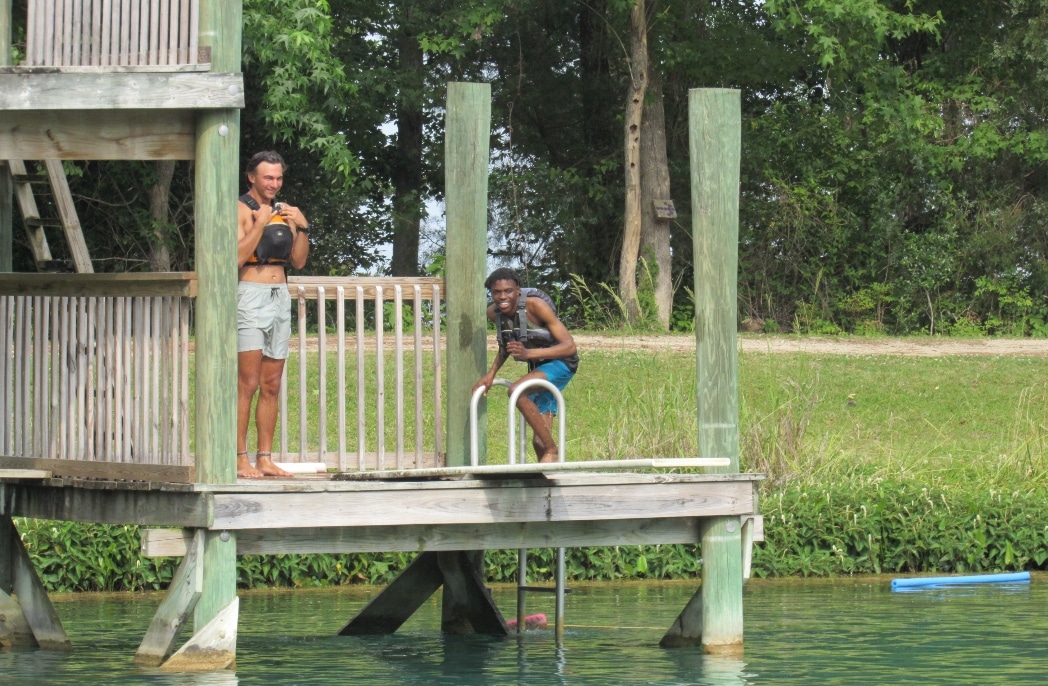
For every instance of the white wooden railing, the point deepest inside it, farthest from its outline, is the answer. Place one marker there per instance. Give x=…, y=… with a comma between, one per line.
x=95, y=374
x=95, y=369
x=363, y=384
x=112, y=33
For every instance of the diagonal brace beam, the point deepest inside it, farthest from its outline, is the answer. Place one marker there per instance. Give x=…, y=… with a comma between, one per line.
x=175, y=610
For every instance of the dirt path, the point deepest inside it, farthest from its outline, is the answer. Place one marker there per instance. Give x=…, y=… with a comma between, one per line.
x=918, y=347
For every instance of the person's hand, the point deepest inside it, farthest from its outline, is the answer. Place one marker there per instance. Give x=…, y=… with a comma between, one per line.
x=292, y=215
x=517, y=351
x=484, y=383
x=262, y=215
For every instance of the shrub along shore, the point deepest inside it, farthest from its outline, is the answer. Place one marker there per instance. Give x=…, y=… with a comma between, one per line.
x=874, y=464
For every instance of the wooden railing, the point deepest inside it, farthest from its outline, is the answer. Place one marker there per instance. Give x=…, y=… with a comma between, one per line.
x=413, y=396
x=95, y=375
x=94, y=371
x=112, y=33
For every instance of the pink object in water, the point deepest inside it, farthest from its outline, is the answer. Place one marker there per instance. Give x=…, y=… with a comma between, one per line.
x=531, y=622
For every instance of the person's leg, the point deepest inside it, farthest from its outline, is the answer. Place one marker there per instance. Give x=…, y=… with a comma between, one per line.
x=266, y=415
x=559, y=374
x=541, y=450
x=249, y=365
x=542, y=441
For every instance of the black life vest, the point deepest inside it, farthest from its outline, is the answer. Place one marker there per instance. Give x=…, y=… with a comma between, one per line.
x=516, y=328
x=275, y=245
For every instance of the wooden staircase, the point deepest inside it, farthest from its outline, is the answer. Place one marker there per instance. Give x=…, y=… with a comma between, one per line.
x=53, y=187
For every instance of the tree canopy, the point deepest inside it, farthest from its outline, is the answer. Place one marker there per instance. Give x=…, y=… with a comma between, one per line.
x=893, y=169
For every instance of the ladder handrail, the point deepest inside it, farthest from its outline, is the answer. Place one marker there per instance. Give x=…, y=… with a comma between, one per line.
x=561, y=419
x=475, y=400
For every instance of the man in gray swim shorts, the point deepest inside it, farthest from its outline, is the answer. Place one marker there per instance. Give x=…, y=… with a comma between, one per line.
x=270, y=237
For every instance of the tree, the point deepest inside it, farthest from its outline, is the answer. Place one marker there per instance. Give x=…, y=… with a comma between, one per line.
x=634, y=119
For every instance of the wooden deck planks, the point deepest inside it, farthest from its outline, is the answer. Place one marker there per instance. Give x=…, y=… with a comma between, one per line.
x=482, y=505
x=374, y=539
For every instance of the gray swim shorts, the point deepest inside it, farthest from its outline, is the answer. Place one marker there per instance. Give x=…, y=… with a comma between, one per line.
x=264, y=319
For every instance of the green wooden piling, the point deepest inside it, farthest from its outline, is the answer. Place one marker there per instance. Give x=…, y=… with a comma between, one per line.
x=715, y=131
x=468, y=129
x=215, y=192
x=6, y=189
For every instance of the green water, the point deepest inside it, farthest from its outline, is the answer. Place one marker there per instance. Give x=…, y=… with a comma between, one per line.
x=797, y=632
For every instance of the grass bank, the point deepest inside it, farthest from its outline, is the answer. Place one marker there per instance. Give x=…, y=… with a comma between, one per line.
x=875, y=464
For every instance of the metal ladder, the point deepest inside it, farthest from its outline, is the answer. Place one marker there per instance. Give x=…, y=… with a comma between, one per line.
x=522, y=554
x=67, y=219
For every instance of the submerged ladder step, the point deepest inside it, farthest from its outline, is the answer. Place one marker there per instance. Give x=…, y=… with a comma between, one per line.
x=541, y=589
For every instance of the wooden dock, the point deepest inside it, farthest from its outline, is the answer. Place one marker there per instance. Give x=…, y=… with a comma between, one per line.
x=533, y=506
x=338, y=516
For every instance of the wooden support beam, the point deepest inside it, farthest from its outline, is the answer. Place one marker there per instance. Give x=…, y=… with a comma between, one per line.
x=479, y=506
x=14, y=629
x=395, y=604
x=483, y=505
x=69, y=221
x=715, y=149
x=216, y=189
x=173, y=613
x=113, y=505
x=27, y=205
x=467, y=606
x=6, y=187
x=375, y=539
x=721, y=586
x=98, y=135
x=37, y=609
x=7, y=535
x=468, y=130
x=170, y=284
x=212, y=647
x=38, y=92
x=686, y=630
x=6, y=217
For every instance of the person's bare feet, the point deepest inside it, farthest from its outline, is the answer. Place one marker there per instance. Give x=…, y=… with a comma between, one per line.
x=266, y=465
x=550, y=456
x=245, y=470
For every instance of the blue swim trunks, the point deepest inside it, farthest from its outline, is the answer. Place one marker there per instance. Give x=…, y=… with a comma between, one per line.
x=558, y=374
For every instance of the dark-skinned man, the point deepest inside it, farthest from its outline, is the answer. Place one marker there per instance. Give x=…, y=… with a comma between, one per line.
x=547, y=347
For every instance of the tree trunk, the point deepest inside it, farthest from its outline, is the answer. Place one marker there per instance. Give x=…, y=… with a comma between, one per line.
x=407, y=167
x=160, y=215
x=634, y=119
x=655, y=185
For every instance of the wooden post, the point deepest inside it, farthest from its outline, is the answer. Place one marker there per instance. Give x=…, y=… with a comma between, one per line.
x=215, y=192
x=466, y=182
x=6, y=218
x=714, y=618
x=6, y=188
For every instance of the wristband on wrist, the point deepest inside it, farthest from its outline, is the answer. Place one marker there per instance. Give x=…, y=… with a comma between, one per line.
x=303, y=229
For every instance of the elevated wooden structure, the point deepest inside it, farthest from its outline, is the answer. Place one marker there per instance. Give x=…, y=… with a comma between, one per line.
x=95, y=421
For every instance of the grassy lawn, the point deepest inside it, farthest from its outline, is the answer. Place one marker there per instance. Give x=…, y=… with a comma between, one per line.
x=804, y=417
x=831, y=417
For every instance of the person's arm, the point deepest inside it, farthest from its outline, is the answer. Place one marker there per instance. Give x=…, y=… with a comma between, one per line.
x=540, y=312
x=300, y=245
x=250, y=224
x=500, y=359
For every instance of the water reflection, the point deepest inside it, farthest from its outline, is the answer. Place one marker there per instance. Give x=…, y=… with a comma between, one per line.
x=797, y=632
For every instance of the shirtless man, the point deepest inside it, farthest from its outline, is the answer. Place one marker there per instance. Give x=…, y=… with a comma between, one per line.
x=270, y=235
x=548, y=349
